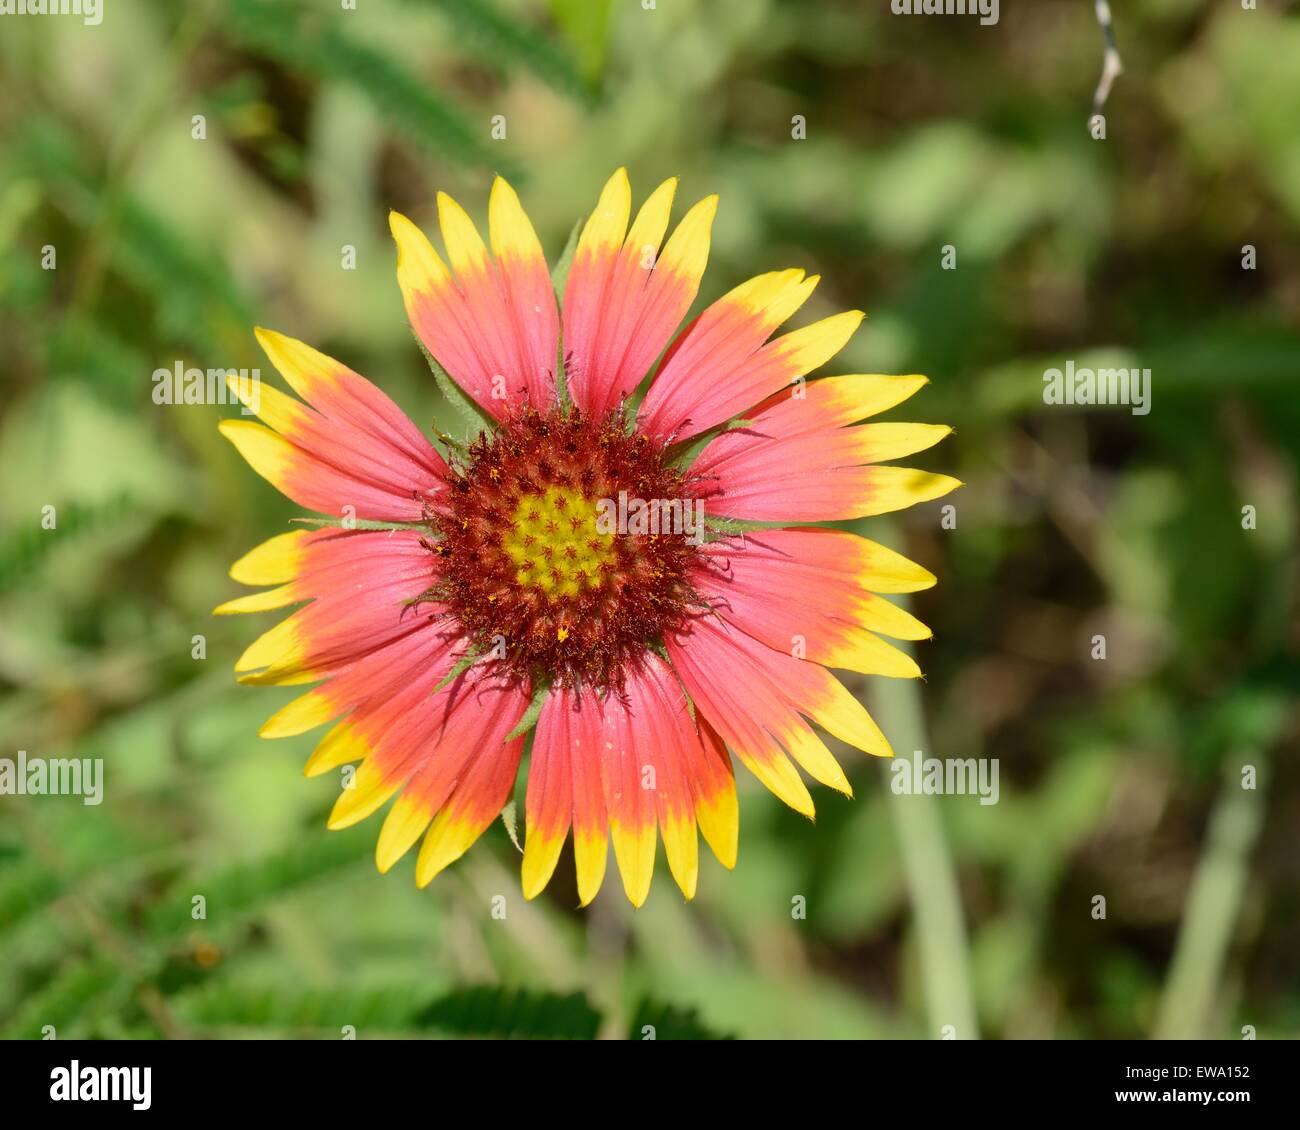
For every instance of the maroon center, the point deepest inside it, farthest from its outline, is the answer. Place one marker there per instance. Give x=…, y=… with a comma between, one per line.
x=564, y=546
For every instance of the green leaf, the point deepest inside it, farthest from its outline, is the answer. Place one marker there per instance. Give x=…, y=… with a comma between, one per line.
x=233, y=894
x=26, y=546
x=463, y=664
x=64, y=1000
x=476, y=420
x=196, y=298
x=529, y=720
x=738, y=525
x=357, y=524
x=685, y=453
x=585, y=24
x=490, y=1010
x=25, y=888
x=281, y=1006
x=83, y=345
x=510, y=820
x=658, y=1021
x=312, y=41
x=560, y=272
x=506, y=39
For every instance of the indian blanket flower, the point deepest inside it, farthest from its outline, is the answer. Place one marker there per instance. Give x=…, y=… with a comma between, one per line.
x=480, y=600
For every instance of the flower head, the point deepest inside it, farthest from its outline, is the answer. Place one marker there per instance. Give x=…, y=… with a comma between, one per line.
x=553, y=582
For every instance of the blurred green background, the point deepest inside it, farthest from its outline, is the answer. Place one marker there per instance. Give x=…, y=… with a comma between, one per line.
x=1119, y=777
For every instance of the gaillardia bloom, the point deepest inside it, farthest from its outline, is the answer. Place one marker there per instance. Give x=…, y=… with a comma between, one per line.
x=620, y=579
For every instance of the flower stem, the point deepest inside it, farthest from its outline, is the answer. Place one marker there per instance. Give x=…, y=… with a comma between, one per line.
x=1188, y=1000
x=928, y=870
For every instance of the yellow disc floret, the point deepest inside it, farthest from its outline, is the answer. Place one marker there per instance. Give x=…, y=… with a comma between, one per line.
x=556, y=545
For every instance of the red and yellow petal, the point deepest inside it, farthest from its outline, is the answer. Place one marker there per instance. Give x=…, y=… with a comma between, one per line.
x=603, y=322
x=477, y=800
x=629, y=768
x=274, y=562
x=627, y=775
x=794, y=461
x=739, y=708
x=443, y=754
x=590, y=820
x=625, y=296
x=529, y=295
x=753, y=696
x=455, y=767
x=761, y=585
x=595, y=261
x=743, y=491
x=548, y=803
x=721, y=342
x=666, y=721
x=829, y=572
x=489, y=320
x=427, y=652
x=359, y=584
x=348, y=451
x=700, y=386
x=713, y=783
x=832, y=402
x=805, y=687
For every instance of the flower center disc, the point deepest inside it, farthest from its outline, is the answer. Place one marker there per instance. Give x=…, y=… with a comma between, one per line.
x=533, y=562
x=557, y=544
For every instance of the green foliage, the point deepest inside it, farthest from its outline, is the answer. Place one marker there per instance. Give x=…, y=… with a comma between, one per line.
x=233, y=894
x=560, y=272
x=28, y=545
x=529, y=720
x=509, y=41
x=685, y=453
x=63, y=1001
x=315, y=1012
x=314, y=42
x=463, y=664
x=658, y=1021
x=559, y=279
x=86, y=345
x=585, y=24
x=512, y=1014
x=26, y=888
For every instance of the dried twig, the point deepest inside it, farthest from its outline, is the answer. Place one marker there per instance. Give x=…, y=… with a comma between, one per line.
x=1111, y=66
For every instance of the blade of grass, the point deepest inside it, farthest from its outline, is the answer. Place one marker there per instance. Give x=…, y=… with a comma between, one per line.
x=1196, y=971
x=927, y=863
